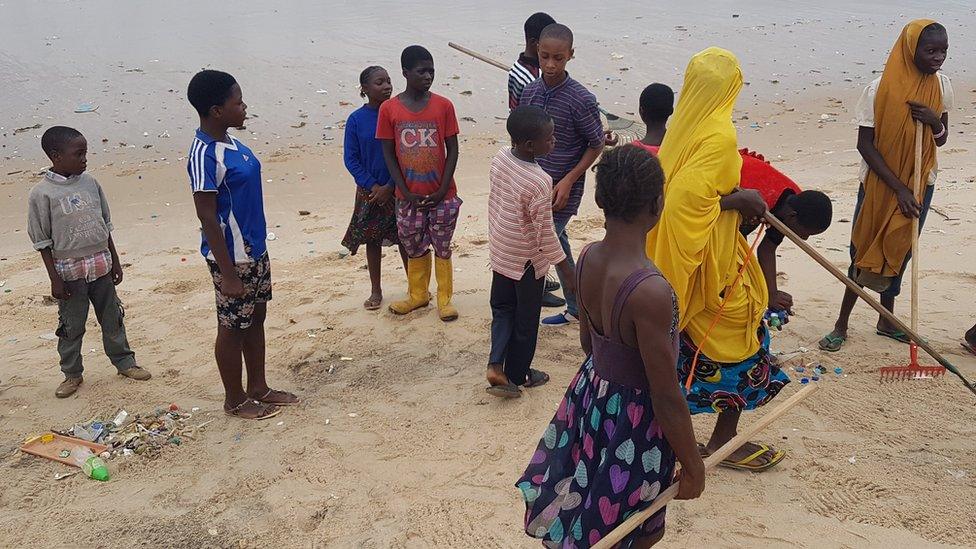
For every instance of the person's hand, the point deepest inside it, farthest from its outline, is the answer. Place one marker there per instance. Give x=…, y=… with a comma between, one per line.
x=231, y=286
x=59, y=290
x=560, y=195
x=749, y=203
x=414, y=199
x=384, y=195
x=433, y=199
x=610, y=139
x=692, y=481
x=781, y=301
x=907, y=204
x=116, y=273
x=924, y=114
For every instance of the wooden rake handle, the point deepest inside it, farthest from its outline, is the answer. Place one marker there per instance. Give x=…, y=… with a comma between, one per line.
x=712, y=461
x=478, y=56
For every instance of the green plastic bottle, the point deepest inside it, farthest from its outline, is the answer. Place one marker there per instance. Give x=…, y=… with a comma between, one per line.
x=95, y=468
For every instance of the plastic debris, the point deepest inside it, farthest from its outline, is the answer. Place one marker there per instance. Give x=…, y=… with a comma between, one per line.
x=85, y=107
x=144, y=434
x=838, y=370
x=852, y=460
x=804, y=380
x=272, y=236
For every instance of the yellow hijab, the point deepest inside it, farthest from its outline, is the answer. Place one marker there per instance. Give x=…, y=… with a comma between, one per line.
x=695, y=244
x=882, y=236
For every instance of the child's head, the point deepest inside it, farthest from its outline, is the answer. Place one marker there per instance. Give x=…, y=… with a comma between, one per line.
x=217, y=97
x=531, y=129
x=932, y=48
x=630, y=186
x=375, y=84
x=807, y=213
x=67, y=149
x=533, y=29
x=656, y=104
x=555, y=49
x=418, y=67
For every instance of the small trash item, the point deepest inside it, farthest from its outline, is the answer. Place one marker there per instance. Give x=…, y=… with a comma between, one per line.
x=776, y=319
x=838, y=370
x=85, y=107
x=800, y=369
x=173, y=407
x=820, y=368
x=120, y=418
x=272, y=236
x=354, y=415
x=804, y=380
x=55, y=450
x=852, y=460
x=47, y=437
x=303, y=212
x=815, y=378
x=345, y=358
x=48, y=337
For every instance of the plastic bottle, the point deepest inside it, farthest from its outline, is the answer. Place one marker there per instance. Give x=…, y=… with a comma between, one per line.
x=90, y=464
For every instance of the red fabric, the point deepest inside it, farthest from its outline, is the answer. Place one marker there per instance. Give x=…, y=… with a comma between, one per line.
x=756, y=174
x=419, y=139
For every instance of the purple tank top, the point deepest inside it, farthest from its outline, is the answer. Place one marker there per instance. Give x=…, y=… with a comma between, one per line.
x=614, y=360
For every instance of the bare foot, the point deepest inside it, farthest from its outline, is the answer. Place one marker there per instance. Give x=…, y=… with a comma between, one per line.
x=374, y=301
x=496, y=375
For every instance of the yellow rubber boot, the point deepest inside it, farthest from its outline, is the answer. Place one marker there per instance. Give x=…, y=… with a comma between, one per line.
x=418, y=279
x=444, y=271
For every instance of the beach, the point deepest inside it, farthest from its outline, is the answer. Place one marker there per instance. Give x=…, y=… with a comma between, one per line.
x=396, y=443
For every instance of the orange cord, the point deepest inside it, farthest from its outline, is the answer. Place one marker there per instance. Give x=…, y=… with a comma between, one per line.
x=721, y=309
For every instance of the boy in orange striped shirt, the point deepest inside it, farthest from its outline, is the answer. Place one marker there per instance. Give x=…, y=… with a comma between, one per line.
x=522, y=245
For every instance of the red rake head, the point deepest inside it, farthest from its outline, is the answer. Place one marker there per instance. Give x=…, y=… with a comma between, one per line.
x=912, y=371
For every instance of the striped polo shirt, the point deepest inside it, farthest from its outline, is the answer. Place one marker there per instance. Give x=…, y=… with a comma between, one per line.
x=577, y=127
x=523, y=72
x=520, y=229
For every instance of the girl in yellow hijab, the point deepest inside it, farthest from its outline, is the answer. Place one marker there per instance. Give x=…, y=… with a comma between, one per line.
x=699, y=249
x=910, y=89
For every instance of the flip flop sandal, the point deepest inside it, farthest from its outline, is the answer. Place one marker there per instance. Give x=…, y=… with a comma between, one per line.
x=744, y=464
x=504, y=391
x=831, y=343
x=236, y=410
x=897, y=335
x=271, y=392
x=536, y=378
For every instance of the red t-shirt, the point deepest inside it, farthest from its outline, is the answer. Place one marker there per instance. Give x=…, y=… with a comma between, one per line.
x=420, y=141
x=756, y=174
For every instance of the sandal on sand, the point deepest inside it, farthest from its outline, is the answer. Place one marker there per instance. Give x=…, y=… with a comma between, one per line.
x=277, y=398
x=252, y=409
x=897, y=335
x=831, y=343
x=746, y=463
x=536, y=378
x=509, y=390
x=372, y=304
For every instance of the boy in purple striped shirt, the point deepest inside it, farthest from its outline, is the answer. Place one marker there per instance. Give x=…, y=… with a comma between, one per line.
x=579, y=141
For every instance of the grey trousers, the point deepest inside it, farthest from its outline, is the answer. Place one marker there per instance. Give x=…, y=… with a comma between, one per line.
x=73, y=314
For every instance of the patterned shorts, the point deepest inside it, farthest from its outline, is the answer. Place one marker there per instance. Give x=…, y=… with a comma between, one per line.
x=420, y=229
x=236, y=312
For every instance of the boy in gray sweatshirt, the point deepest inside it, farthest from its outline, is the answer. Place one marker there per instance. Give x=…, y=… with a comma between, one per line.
x=69, y=223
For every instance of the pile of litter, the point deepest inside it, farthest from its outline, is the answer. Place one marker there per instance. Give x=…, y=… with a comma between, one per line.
x=143, y=434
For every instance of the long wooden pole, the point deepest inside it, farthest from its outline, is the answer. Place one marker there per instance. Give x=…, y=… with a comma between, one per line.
x=916, y=185
x=477, y=55
x=712, y=461
x=832, y=269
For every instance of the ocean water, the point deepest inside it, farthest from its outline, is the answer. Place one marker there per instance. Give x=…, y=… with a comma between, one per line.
x=298, y=61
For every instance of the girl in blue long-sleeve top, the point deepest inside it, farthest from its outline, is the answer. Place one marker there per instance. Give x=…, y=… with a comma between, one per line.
x=374, y=216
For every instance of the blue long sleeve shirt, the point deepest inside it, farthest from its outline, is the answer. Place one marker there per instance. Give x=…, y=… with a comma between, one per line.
x=362, y=152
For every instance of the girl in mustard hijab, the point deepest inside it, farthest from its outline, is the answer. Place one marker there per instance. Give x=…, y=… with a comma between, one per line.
x=699, y=249
x=910, y=88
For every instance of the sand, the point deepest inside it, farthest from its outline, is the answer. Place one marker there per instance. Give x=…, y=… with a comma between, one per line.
x=400, y=446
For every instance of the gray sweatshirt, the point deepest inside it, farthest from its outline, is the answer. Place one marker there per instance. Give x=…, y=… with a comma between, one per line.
x=69, y=215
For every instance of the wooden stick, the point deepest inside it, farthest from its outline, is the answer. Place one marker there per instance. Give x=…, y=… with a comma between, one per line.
x=478, y=56
x=916, y=185
x=832, y=269
x=712, y=461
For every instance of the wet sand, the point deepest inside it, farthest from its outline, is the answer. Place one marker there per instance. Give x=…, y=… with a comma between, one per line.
x=414, y=454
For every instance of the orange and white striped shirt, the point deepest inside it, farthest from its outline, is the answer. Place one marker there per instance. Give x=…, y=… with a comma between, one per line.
x=520, y=228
